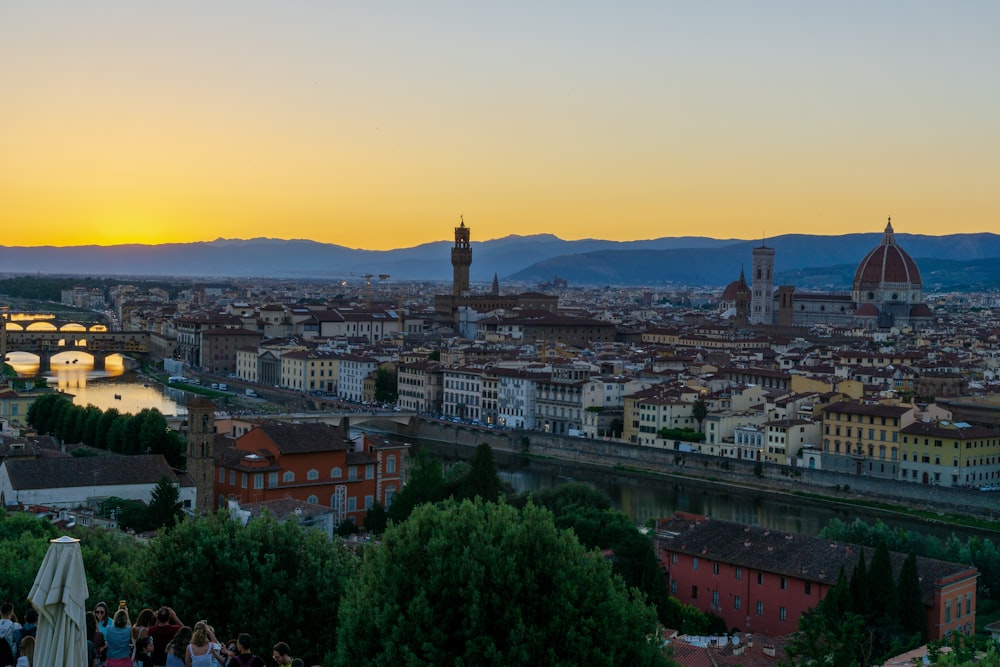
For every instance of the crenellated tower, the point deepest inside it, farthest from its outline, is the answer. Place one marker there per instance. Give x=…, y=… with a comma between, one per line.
x=461, y=260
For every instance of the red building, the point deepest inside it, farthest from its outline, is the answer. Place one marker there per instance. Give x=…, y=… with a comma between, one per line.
x=760, y=580
x=312, y=462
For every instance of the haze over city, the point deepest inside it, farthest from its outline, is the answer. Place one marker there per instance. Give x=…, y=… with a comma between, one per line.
x=377, y=126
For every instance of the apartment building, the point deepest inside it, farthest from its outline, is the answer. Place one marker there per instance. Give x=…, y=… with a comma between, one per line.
x=517, y=389
x=462, y=388
x=312, y=462
x=949, y=453
x=761, y=580
x=864, y=438
x=310, y=371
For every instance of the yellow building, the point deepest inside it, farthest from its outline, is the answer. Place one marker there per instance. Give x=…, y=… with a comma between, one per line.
x=864, y=438
x=948, y=453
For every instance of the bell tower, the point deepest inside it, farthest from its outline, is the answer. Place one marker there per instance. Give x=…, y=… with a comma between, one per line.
x=200, y=435
x=461, y=260
x=762, y=284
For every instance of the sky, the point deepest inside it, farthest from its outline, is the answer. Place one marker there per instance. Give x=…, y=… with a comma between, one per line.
x=381, y=124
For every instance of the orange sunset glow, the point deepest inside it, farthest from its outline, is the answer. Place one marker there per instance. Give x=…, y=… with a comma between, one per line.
x=376, y=126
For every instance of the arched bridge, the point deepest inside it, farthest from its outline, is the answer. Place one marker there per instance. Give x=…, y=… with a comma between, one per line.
x=47, y=343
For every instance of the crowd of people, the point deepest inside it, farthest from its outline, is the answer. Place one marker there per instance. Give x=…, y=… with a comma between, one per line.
x=155, y=639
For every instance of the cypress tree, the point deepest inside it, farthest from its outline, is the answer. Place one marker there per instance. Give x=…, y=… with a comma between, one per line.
x=912, y=615
x=881, y=589
x=859, y=586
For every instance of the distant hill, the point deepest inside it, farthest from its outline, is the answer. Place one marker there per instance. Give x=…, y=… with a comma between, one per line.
x=807, y=261
x=800, y=259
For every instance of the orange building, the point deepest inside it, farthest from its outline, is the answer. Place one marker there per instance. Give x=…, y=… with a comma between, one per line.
x=312, y=462
x=760, y=580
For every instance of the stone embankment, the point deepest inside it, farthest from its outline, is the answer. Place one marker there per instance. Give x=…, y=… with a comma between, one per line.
x=770, y=477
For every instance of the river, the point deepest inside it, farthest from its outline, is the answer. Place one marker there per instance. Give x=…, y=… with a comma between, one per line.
x=113, y=387
x=645, y=497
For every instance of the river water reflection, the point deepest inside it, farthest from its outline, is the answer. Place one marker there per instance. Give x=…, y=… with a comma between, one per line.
x=114, y=387
x=644, y=497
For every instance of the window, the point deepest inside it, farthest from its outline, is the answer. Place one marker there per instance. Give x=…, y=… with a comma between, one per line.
x=352, y=504
x=390, y=493
x=737, y=602
x=782, y=614
x=232, y=478
x=784, y=583
x=312, y=475
x=694, y=592
x=352, y=473
x=968, y=603
x=336, y=473
x=390, y=464
x=673, y=587
x=715, y=598
x=715, y=568
x=288, y=477
x=694, y=563
x=258, y=480
x=947, y=611
x=370, y=471
x=809, y=587
x=243, y=480
x=369, y=501
x=739, y=573
x=222, y=475
x=673, y=559
x=313, y=499
x=272, y=479
x=760, y=578
x=760, y=607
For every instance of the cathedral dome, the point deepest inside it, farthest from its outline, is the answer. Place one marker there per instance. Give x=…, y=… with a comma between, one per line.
x=887, y=265
x=729, y=294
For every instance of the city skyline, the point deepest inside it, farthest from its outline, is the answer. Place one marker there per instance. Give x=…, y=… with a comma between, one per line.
x=377, y=127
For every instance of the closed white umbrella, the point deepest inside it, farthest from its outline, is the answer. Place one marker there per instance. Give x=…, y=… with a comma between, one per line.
x=59, y=594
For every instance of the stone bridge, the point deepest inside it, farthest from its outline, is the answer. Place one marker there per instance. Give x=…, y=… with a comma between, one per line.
x=49, y=342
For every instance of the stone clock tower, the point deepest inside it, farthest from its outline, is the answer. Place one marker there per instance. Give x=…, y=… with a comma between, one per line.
x=200, y=451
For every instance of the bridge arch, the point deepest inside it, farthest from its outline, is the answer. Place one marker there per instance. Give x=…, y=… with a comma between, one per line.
x=13, y=326
x=72, y=326
x=41, y=326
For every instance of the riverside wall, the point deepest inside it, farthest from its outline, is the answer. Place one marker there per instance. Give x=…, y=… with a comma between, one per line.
x=714, y=468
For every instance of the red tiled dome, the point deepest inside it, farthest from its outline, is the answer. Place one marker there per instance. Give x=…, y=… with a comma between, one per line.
x=887, y=263
x=921, y=310
x=729, y=294
x=867, y=310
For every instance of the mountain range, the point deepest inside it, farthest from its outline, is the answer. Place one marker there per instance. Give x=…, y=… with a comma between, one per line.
x=951, y=262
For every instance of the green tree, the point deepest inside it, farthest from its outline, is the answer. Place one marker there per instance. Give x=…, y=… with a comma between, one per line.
x=426, y=484
x=385, y=385
x=476, y=583
x=104, y=425
x=129, y=514
x=277, y=581
x=116, y=434
x=699, y=410
x=165, y=508
x=911, y=602
x=24, y=539
x=881, y=589
x=482, y=479
x=90, y=424
x=376, y=518
x=820, y=641
x=859, y=586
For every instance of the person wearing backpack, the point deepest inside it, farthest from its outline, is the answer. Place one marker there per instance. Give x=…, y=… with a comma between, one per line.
x=10, y=632
x=243, y=656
